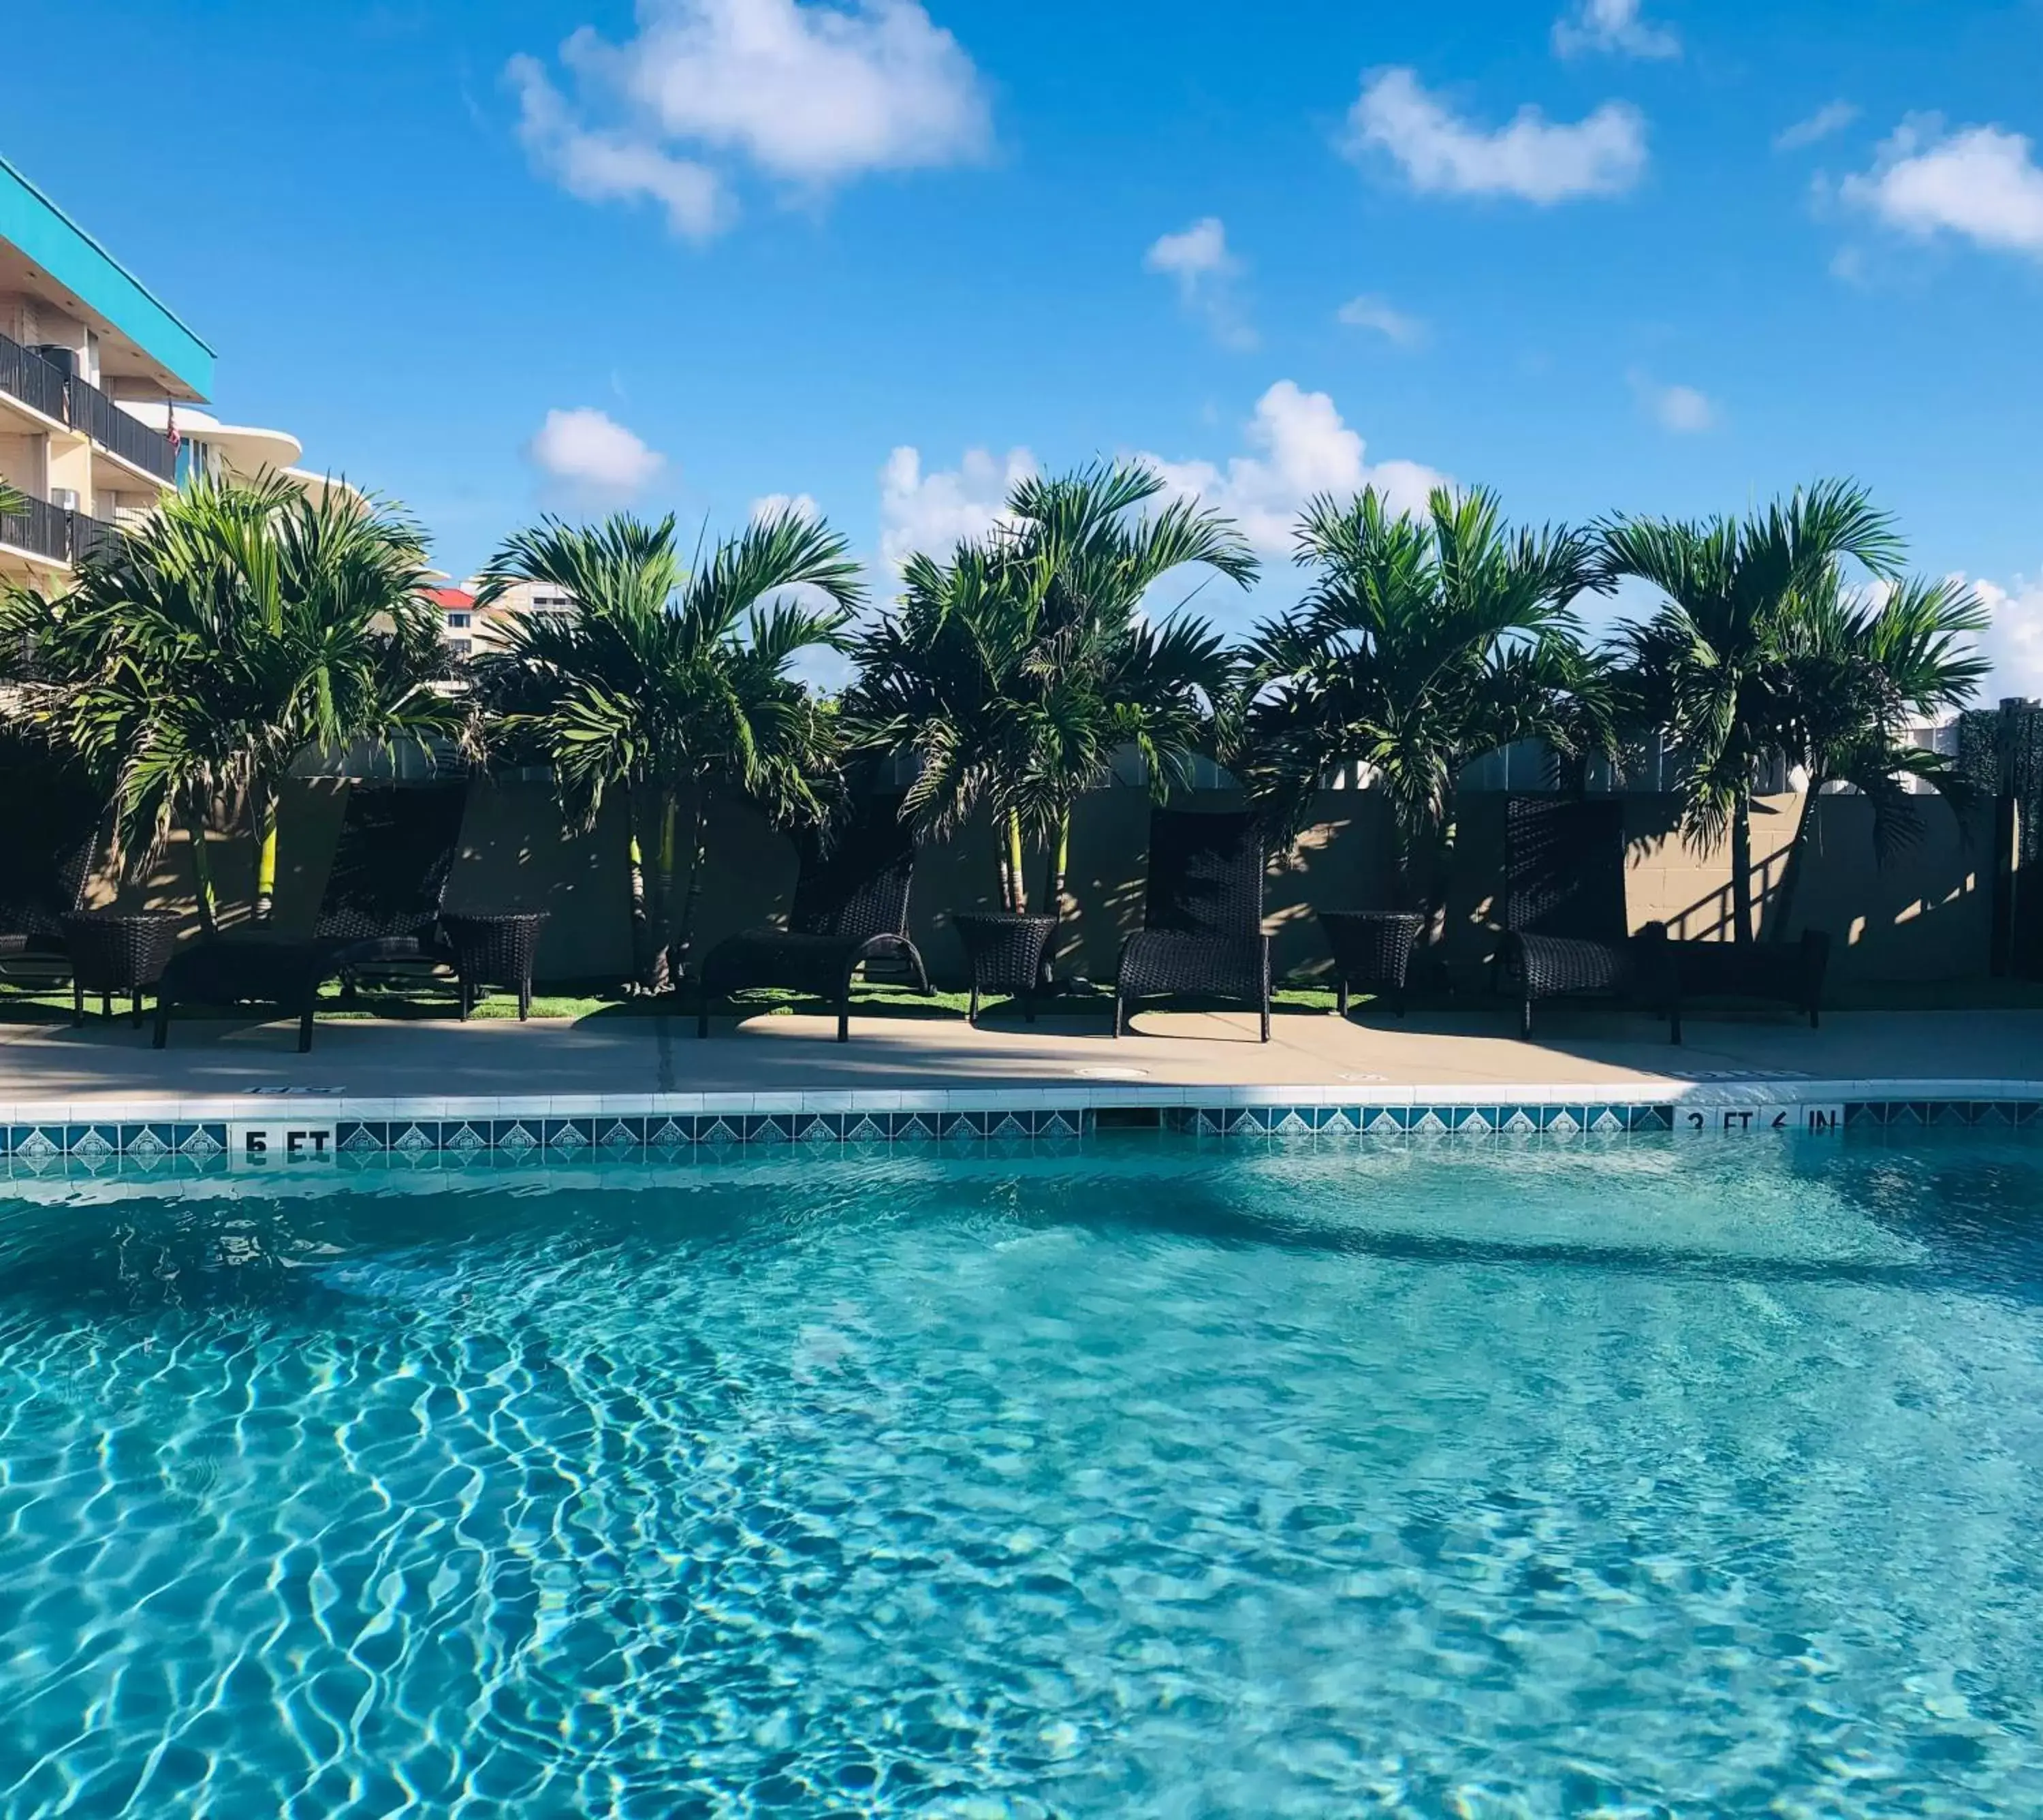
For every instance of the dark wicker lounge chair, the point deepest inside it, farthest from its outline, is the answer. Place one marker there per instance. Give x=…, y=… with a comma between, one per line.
x=1566, y=932
x=1202, y=917
x=851, y=907
x=1566, y=913
x=50, y=825
x=381, y=909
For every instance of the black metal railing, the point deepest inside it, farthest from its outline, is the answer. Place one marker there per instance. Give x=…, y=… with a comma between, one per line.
x=44, y=529
x=44, y=386
x=50, y=531
x=28, y=376
x=99, y=417
x=90, y=537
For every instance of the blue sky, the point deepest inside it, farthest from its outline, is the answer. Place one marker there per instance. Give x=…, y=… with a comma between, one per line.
x=1674, y=257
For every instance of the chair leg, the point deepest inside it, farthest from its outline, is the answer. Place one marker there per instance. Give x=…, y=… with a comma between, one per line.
x=1341, y=996
x=106, y=1005
x=525, y=999
x=971, y=1010
x=844, y=1015
x=305, y=1028
x=1120, y=1016
x=161, y=1036
x=1525, y=1018
x=467, y=1000
x=135, y=1010
x=1029, y=1006
x=77, y=1004
x=1266, y=1019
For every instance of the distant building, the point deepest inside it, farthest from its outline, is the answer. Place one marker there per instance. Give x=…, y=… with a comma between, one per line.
x=469, y=626
x=457, y=610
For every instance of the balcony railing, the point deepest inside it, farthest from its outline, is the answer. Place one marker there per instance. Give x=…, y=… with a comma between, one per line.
x=32, y=379
x=44, y=386
x=99, y=417
x=50, y=531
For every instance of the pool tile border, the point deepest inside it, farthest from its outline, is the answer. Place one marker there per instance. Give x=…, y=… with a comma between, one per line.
x=137, y=1136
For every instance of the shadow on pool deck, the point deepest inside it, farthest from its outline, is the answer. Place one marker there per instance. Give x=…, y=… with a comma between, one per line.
x=791, y=1054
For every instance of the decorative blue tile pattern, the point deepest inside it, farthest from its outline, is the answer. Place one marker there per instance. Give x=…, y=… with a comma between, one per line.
x=41, y=1148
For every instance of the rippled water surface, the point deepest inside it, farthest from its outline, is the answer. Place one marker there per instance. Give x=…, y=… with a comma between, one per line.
x=1148, y=1481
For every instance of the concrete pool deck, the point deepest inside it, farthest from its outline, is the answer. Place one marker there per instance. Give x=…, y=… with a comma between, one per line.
x=1462, y=1055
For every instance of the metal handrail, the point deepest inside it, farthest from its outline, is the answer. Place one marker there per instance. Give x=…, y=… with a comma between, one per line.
x=43, y=527
x=99, y=417
x=50, y=531
x=35, y=382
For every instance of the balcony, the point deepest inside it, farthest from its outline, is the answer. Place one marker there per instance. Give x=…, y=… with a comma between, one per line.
x=95, y=415
x=45, y=386
x=32, y=379
x=50, y=532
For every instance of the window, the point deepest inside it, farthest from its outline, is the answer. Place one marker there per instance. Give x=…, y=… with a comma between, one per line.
x=458, y=622
x=460, y=646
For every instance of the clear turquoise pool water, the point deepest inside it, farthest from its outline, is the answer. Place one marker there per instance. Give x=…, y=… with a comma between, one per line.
x=1647, y=1479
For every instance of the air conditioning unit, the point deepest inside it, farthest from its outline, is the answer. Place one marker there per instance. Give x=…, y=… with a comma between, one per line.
x=64, y=498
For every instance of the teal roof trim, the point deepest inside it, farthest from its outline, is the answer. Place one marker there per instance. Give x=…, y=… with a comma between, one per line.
x=51, y=238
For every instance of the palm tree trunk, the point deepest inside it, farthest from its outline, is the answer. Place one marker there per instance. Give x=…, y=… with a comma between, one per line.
x=698, y=853
x=1019, y=898
x=1055, y=864
x=265, y=807
x=1791, y=873
x=641, y=926
x=1741, y=870
x=208, y=898
x=658, y=974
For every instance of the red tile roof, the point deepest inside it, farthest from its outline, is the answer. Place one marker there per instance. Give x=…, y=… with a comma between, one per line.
x=457, y=600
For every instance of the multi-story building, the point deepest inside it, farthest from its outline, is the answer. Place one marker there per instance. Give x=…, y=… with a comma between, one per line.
x=98, y=386
x=467, y=627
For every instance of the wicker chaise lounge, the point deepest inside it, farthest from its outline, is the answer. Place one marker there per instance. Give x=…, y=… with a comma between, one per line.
x=1201, y=916
x=850, y=907
x=50, y=823
x=1566, y=930
x=1567, y=926
x=381, y=907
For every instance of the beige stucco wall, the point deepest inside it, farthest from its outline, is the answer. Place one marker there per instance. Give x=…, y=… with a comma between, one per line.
x=1926, y=916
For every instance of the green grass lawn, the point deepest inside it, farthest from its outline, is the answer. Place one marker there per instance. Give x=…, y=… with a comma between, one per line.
x=425, y=998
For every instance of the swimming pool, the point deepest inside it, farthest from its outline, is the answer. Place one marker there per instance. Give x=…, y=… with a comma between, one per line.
x=1627, y=1479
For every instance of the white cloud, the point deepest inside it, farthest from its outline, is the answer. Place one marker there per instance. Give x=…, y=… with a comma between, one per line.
x=606, y=166
x=1980, y=181
x=1680, y=409
x=809, y=93
x=589, y=454
x=1832, y=116
x=1601, y=154
x=1380, y=318
x=773, y=505
x=1300, y=446
x=2014, y=641
x=932, y=512
x=1205, y=271
x=1613, y=25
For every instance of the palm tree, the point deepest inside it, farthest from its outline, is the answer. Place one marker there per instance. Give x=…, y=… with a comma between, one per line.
x=13, y=502
x=200, y=652
x=1424, y=641
x=1760, y=652
x=670, y=688
x=1014, y=673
